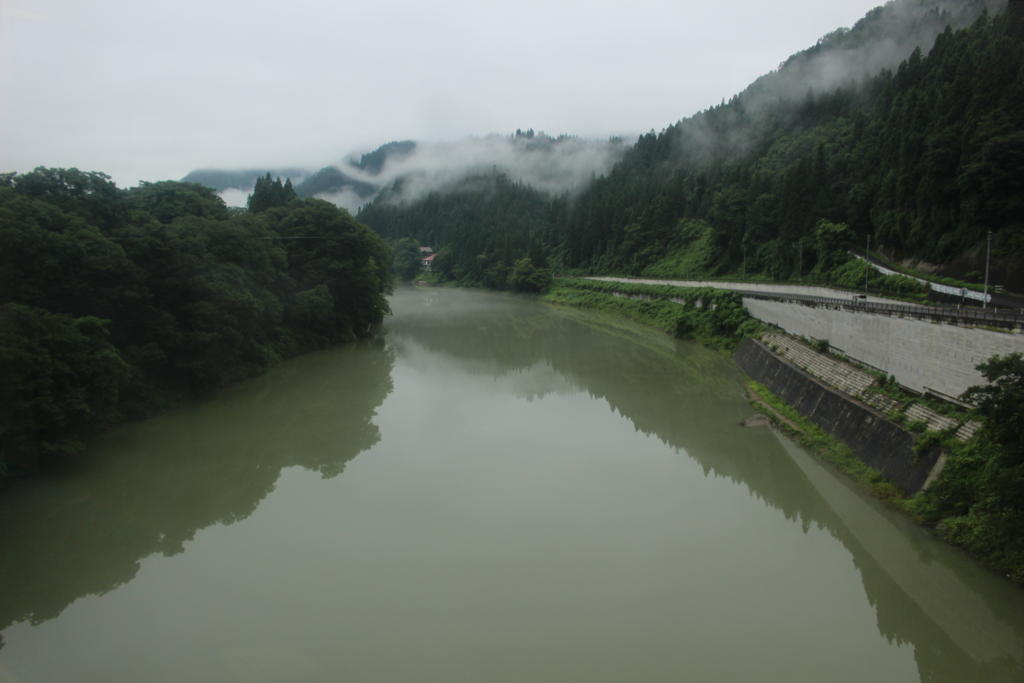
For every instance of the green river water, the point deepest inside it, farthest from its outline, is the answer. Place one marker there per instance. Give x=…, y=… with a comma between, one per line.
x=496, y=490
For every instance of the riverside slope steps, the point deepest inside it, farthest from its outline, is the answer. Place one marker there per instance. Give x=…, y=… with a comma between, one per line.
x=856, y=383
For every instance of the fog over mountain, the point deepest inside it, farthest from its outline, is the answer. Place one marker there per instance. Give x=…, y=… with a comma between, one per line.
x=886, y=36
x=880, y=40
x=146, y=91
x=842, y=59
x=556, y=165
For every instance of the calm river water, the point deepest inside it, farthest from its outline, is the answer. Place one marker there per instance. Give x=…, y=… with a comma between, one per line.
x=498, y=490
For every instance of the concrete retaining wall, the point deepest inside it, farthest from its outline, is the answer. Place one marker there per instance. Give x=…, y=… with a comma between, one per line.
x=922, y=355
x=879, y=443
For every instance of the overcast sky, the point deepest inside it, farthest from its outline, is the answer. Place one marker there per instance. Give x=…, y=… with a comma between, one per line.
x=146, y=90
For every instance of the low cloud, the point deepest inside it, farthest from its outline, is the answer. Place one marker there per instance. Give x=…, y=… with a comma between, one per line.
x=554, y=165
x=347, y=199
x=236, y=197
x=881, y=40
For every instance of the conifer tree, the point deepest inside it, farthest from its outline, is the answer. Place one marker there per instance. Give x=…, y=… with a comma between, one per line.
x=269, y=193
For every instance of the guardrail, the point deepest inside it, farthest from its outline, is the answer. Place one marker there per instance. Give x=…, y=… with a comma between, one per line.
x=1008, y=318
x=948, y=290
x=994, y=317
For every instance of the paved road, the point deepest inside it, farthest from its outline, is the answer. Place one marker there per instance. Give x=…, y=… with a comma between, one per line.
x=952, y=295
x=827, y=296
x=758, y=287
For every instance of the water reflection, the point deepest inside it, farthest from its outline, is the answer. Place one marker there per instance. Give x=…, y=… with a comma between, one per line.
x=963, y=622
x=160, y=481
x=87, y=532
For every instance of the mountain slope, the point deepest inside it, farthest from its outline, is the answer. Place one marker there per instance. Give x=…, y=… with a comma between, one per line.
x=330, y=179
x=922, y=158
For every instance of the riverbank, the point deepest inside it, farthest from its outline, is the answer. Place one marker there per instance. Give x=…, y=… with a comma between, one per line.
x=712, y=317
x=819, y=442
x=956, y=507
x=662, y=306
x=879, y=444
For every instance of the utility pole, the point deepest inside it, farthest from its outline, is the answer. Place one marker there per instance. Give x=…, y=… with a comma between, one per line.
x=988, y=258
x=867, y=263
x=800, y=262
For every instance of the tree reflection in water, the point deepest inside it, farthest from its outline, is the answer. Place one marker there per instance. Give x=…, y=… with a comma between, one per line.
x=160, y=481
x=963, y=622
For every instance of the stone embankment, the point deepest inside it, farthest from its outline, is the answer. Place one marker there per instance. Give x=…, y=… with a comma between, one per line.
x=923, y=355
x=859, y=384
x=877, y=441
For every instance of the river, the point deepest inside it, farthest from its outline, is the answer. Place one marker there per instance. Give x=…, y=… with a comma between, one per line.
x=496, y=490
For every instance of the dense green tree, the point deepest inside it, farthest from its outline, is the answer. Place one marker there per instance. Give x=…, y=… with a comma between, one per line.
x=444, y=266
x=118, y=303
x=407, y=260
x=831, y=241
x=62, y=382
x=330, y=248
x=978, y=500
x=54, y=259
x=525, y=277
x=87, y=194
x=167, y=200
x=269, y=193
x=1001, y=401
x=312, y=314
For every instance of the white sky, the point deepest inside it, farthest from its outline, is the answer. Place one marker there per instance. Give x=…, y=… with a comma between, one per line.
x=146, y=90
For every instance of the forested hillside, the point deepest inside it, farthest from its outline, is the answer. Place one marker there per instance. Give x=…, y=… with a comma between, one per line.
x=332, y=180
x=117, y=303
x=923, y=158
x=480, y=228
